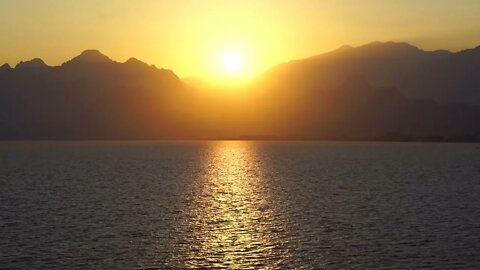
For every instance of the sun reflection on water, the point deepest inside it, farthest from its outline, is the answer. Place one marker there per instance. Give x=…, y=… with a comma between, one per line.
x=233, y=222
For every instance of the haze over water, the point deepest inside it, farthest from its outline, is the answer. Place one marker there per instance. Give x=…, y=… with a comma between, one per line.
x=239, y=204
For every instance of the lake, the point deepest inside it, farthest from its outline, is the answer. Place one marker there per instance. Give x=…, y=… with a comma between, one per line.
x=239, y=204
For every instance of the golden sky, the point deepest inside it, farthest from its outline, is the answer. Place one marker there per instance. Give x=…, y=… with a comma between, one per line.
x=191, y=36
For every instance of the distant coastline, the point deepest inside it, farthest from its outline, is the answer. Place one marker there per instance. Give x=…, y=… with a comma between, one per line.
x=386, y=138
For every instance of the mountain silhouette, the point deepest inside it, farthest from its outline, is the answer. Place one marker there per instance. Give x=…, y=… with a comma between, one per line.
x=376, y=91
x=89, y=57
x=34, y=63
x=438, y=75
x=5, y=67
x=89, y=96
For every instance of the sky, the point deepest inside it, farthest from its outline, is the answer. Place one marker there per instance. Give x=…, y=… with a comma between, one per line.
x=191, y=37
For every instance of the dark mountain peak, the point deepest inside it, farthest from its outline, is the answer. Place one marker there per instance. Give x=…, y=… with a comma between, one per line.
x=442, y=52
x=34, y=63
x=135, y=62
x=90, y=56
x=390, y=46
x=376, y=48
x=5, y=66
x=93, y=56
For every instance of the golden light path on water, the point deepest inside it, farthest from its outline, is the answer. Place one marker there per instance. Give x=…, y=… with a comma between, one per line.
x=232, y=219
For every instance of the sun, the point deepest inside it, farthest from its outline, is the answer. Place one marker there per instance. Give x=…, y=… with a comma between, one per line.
x=232, y=62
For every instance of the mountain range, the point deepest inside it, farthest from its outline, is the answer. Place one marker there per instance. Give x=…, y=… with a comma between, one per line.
x=90, y=96
x=379, y=90
x=441, y=75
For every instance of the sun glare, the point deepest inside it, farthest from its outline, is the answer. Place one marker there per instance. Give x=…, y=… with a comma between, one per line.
x=232, y=62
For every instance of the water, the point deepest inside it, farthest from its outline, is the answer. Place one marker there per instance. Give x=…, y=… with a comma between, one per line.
x=248, y=205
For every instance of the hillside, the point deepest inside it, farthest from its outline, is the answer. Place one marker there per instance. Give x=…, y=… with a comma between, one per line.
x=380, y=90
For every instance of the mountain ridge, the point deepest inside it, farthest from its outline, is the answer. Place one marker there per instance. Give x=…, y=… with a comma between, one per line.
x=418, y=73
x=88, y=56
x=34, y=63
x=94, y=97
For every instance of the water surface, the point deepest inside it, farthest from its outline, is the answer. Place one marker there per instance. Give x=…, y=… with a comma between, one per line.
x=236, y=204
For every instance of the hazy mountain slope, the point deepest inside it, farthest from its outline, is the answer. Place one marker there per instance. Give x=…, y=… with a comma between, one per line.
x=355, y=109
x=325, y=97
x=89, y=96
x=440, y=75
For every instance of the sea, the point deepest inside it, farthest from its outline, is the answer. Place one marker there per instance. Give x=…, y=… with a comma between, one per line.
x=239, y=205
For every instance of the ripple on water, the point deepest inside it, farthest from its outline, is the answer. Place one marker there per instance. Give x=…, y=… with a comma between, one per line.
x=233, y=204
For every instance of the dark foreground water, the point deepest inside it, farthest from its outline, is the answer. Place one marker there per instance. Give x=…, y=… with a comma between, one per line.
x=258, y=205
